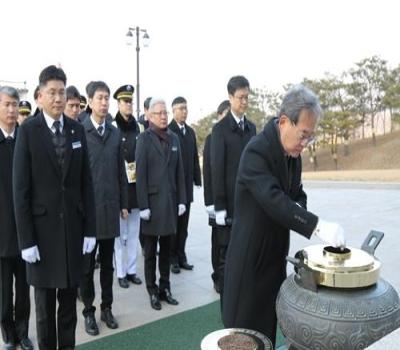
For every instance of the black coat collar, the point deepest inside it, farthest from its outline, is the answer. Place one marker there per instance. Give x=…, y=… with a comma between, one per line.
x=125, y=126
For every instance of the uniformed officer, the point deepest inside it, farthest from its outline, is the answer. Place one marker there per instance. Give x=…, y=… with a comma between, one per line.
x=83, y=103
x=24, y=111
x=126, y=245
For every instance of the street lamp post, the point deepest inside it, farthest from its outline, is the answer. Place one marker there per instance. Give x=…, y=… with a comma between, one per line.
x=146, y=40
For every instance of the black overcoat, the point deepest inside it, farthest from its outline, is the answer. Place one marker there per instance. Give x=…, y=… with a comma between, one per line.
x=54, y=209
x=109, y=178
x=207, y=183
x=129, y=131
x=160, y=182
x=8, y=229
x=265, y=210
x=227, y=144
x=190, y=158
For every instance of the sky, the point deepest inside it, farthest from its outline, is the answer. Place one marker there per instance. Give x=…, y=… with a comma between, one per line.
x=195, y=46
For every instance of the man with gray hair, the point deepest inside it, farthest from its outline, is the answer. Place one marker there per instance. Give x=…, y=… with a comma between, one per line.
x=160, y=186
x=14, y=316
x=270, y=202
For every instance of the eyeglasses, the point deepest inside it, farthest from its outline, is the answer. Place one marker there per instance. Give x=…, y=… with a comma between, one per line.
x=158, y=114
x=244, y=98
x=303, y=138
x=52, y=94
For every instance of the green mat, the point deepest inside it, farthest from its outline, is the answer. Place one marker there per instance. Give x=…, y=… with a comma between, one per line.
x=183, y=331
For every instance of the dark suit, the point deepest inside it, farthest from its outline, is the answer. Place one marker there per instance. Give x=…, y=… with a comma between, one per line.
x=111, y=195
x=160, y=188
x=227, y=144
x=54, y=210
x=268, y=187
x=191, y=169
x=208, y=200
x=14, y=325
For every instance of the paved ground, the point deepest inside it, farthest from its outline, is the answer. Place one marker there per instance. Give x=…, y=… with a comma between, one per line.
x=359, y=207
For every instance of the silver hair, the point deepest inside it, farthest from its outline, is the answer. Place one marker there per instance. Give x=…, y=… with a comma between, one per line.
x=298, y=98
x=9, y=91
x=155, y=101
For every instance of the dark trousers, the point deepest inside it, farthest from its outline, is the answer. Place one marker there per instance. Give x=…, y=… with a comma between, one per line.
x=106, y=251
x=150, y=262
x=215, y=255
x=224, y=234
x=14, y=316
x=178, y=241
x=48, y=331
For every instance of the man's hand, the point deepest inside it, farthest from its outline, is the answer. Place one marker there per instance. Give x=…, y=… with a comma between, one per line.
x=124, y=213
x=31, y=255
x=145, y=214
x=88, y=244
x=331, y=233
x=220, y=217
x=181, y=209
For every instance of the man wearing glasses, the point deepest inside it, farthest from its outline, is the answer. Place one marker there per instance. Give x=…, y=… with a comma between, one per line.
x=270, y=202
x=228, y=140
x=161, y=197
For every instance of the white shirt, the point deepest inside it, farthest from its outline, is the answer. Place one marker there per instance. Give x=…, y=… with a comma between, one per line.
x=50, y=121
x=182, y=127
x=97, y=125
x=238, y=119
x=6, y=134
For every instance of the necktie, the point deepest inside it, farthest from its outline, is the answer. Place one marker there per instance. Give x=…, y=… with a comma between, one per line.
x=241, y=124
x=100, y=130
x=9, y=139
x=183, y=130
x=57, y=126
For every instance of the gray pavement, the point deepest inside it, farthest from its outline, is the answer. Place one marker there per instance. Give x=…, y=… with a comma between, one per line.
x=359, y=207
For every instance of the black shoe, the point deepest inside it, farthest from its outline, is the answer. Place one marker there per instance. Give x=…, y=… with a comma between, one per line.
x=186, y=266
x=91, y=325
x=9, y=346
x=175, y=268
x=133, y=278
x=166, y=295
x=108, y=318
x=123, y=282
x=26, y=344
x=217, y=287
x=155, y=302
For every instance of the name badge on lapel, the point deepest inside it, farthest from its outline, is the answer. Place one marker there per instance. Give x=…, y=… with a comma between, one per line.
x=76, y=144
x=174, y=148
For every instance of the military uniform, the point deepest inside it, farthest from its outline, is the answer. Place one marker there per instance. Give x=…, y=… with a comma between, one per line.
x=126, y=246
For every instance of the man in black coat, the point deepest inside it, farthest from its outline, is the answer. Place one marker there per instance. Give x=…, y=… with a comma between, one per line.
x=161, y=197
x=270, y=202
x=126, y=246
x=191, y=169
x=228, y=139
x=222, y=110
x=111, y=203
x=14, y=317
x=54, y=209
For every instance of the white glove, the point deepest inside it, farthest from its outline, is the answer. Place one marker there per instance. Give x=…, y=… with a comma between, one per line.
x=31, y=255
x=88, y=244
x=220, y=217
x=181, y=209
x=145, y=214
x=331, y=233
x=210, y=211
